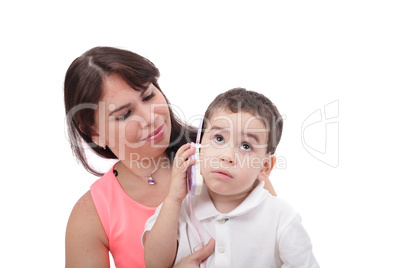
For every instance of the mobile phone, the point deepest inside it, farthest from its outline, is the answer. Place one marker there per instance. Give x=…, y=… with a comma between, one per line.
x=194, y=177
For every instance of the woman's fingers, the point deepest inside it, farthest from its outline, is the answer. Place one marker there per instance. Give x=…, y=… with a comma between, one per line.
x=205, y=252
x=194, y=260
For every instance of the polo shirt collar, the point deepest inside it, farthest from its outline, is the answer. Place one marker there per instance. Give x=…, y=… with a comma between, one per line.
x=204, y=208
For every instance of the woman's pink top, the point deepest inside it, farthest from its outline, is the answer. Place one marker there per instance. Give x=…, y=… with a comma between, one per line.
x=123, y=220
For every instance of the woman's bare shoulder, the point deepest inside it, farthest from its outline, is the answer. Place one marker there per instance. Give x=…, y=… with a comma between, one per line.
x=84, y=212
x=84, y=207
x=86, y=241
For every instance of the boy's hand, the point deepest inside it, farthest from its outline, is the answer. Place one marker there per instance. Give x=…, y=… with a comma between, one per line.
x=178, y=181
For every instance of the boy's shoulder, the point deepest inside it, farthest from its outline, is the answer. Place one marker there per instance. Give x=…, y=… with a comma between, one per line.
x=278, y=204
x=279, y=210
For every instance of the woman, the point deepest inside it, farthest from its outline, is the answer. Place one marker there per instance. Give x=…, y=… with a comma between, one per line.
x=114, y=104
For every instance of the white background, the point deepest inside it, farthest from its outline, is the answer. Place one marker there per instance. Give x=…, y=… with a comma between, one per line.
x=302, y=54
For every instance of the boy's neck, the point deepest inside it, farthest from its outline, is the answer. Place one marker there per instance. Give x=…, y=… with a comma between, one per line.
x=227, y=203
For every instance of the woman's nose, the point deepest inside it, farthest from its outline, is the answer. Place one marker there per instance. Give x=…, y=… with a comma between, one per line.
x=146, y=114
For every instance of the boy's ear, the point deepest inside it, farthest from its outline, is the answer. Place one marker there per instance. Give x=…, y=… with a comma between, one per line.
x=267, y=167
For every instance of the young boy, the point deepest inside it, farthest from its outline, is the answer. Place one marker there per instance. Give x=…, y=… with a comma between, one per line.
x=251, y=228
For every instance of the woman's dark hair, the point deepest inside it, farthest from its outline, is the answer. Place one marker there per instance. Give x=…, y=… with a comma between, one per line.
x=83, y=89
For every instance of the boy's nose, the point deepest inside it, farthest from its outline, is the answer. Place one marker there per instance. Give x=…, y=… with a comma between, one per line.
x=227, y=156
x=226, y=159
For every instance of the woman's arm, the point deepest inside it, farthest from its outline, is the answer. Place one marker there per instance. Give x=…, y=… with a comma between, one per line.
x=86, y=241
x=194, y=260
x=268, y=186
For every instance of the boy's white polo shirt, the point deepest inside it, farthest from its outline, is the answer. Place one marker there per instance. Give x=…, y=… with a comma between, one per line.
x=263, y=231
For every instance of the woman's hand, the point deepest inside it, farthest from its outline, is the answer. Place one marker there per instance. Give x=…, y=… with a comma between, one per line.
x=178, y=182
x=194, y=260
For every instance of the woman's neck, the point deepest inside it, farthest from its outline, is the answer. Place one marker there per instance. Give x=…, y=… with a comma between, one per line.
x=145, y=167
x=150, y=195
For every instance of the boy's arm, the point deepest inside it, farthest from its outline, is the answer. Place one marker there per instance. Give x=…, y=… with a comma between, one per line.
x=295, y=247
x=160, y=244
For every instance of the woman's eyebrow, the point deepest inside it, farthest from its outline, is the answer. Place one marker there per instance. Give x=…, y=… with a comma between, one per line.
x=119, y=108
x=128, y=104
x=143, y=91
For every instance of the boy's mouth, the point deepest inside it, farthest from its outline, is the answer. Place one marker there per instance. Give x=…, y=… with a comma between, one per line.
x=222, y=174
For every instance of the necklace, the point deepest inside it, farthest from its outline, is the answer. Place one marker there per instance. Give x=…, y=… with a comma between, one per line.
x=151, y=181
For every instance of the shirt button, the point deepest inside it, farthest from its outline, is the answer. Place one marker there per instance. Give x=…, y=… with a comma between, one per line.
x=221, y=250
x=222, y=221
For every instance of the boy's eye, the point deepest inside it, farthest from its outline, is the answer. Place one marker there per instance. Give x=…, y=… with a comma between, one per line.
x=246, y=147
x=125, y=116
x=218, y=139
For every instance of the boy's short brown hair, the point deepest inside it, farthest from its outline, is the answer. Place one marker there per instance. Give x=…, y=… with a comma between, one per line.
x=240, y=99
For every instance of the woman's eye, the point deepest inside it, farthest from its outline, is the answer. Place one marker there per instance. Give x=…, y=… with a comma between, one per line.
x=246, y=147
x=125, y=116
x=218, y=139
x=150, y=96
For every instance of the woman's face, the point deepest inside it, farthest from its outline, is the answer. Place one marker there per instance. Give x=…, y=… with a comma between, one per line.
x=133, y=124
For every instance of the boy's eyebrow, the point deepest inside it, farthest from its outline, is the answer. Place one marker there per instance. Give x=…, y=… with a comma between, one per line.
x=252, y=135
x=248, y=134
x=219, y=128
x=119, y=108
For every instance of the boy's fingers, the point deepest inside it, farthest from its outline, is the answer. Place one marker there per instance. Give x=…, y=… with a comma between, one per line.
x=183, y=148
x=178, y=158
x=190, y=151
x=181, y=157
x=186, y=164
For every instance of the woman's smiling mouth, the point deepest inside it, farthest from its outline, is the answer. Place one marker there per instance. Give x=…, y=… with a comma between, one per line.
x=155, y=135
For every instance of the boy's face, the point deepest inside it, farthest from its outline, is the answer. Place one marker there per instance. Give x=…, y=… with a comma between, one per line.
x=233, y=153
